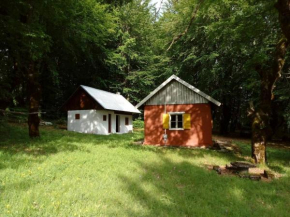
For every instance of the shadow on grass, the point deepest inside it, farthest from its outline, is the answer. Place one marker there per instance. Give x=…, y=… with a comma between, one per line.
x=168, y=188
x=277, y=169
x=186, y=153
x=277, y=158
x=16, y=140
x=278, y=154
x=15, y=145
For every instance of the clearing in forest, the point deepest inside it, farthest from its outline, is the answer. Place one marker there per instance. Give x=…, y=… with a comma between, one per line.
x=70, y=174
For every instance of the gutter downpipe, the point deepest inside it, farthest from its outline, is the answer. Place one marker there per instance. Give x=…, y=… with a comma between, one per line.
x=165, y=135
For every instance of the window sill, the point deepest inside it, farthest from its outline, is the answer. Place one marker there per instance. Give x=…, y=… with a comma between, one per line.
x=176, y=129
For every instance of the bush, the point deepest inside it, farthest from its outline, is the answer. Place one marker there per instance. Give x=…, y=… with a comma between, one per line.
x=138, y=123
x=61, y=121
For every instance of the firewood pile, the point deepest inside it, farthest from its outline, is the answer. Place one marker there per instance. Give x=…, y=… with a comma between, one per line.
x=242, y=169
x=245, y=170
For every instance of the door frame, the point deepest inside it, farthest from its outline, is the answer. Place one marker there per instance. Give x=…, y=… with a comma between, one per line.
x=109, y=123
x=117, y=123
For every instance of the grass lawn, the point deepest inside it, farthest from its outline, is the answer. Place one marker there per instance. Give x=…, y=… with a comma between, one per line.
x=71, y=174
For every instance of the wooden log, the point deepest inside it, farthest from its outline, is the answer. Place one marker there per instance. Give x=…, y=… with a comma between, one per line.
x=256, y=171
x=269, y=175
x=243, y=164
x=255, y=177
x=217, y=168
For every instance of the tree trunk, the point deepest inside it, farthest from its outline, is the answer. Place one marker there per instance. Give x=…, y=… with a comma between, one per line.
x=261, y=117
x=261, y=126
x=34, y=94
x=283, y=7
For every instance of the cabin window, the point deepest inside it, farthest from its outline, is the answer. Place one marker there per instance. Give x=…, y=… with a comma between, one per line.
x=104, y=117
x=126, y=121
x=176, y=121
x=77, y=116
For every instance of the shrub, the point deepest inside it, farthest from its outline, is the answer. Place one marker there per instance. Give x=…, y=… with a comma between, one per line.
x=138, y=123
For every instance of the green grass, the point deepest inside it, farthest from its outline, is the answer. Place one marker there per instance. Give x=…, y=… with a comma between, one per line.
x=71, y=174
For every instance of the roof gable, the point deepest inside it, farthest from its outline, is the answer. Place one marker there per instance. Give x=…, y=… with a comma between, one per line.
x=80, y=100
x=109, y=101
x=175, y=93
x=175, y=78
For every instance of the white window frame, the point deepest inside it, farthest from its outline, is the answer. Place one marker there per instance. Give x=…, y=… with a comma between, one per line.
x=175, y=113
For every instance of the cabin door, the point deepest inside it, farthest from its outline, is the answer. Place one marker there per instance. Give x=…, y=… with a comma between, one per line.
x=109, y=122
x=117, y=123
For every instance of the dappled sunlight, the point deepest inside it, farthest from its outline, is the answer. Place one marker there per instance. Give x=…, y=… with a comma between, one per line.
x=184, y=186
x=198, y=135
x=67, y=173
x=237, y=193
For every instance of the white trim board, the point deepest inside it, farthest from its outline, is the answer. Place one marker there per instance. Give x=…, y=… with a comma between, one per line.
x=176, y=113
x=182, y=82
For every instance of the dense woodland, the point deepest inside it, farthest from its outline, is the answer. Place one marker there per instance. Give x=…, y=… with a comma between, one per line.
x=235, y=51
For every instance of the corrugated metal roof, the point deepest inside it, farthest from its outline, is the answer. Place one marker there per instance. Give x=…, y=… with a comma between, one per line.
x=110, y=101
x=174, y=77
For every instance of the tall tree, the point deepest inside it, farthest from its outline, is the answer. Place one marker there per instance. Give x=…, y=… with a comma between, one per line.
x=269, y=76
x=33, y=30
x=132, y=58
x=225, y=46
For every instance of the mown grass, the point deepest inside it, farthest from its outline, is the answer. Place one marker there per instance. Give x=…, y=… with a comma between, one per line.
x=71, y=174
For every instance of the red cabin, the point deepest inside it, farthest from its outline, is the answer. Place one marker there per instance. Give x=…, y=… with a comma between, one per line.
x=178, y=114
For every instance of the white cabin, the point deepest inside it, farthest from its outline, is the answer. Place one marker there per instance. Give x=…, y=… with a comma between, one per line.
x=94, y=111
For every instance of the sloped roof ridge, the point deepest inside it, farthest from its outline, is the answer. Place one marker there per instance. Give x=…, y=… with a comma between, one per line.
x=182, y=82
x=100, y=90
x=109, y=100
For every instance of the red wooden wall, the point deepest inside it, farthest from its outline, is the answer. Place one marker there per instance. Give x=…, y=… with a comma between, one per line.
x=200, y=133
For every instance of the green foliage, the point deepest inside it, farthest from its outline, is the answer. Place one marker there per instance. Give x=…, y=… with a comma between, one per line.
x=221, y=50
x=60, y=37
x=121, y=46
x=138, y=124
x=65, y=174
x=131, y=60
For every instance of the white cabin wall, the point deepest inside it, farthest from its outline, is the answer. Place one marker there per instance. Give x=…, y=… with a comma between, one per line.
x=86, y=124
x=91, y=121
x=123, y=127
x=102, y=126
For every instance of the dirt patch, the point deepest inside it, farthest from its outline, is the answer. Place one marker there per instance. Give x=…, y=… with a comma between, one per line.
x=138, y=142
x=226, y=146
x=274, y=144
x=231, y=139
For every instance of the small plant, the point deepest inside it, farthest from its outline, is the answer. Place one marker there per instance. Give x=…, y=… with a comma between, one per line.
x=138, y=123
x=60, y=121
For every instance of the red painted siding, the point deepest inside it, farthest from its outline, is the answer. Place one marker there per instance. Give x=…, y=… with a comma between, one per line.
x=200, y=133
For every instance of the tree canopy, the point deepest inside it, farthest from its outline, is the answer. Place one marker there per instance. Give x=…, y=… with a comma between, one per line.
x=225, y=47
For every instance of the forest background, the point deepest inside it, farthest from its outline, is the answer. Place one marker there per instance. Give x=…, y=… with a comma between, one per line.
x=50, y=47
